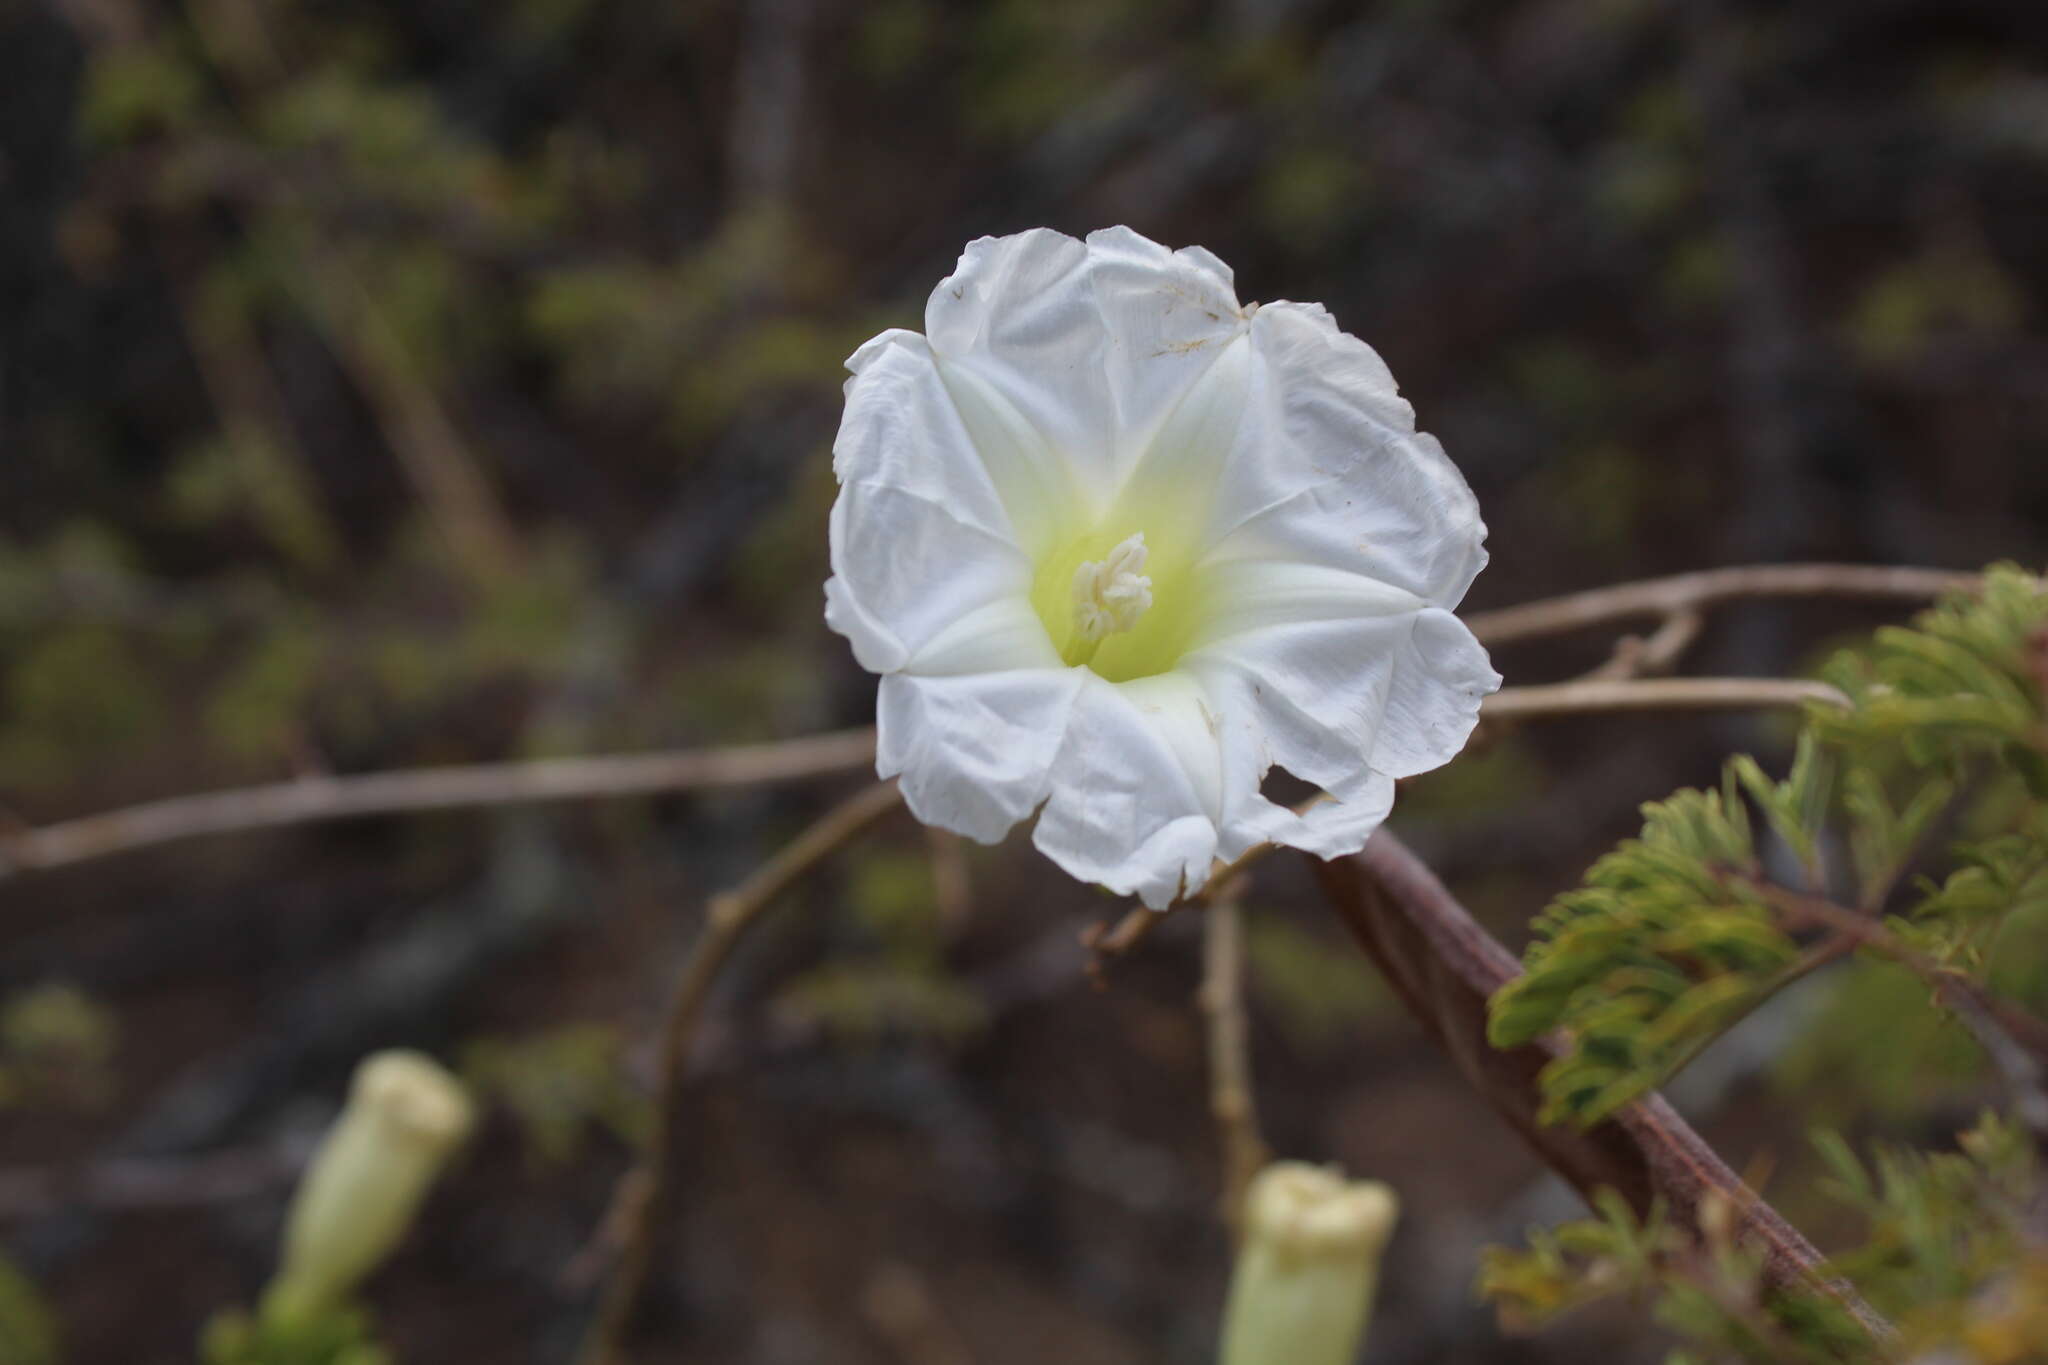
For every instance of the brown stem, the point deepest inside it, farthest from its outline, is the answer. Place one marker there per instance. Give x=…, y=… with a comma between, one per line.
x=1594, y=695
x=1636, y=656
x=1105, y=941
x=1444, y=966
x=726, y=922
x=308, y=799
x=1231, y=1101
x=1693, y=591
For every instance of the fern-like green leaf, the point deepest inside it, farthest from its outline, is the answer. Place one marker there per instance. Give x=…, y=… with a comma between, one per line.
x=1660, y=950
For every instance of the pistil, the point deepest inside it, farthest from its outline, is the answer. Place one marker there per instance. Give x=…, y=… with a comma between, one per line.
x=1109, y=596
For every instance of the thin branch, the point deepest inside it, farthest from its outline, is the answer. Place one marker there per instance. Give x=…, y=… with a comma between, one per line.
x=1231, y=1098
x=1444, y=966
x=1654, y=694
x=1105, y=941
x=307, y=799
x=726, y=921
x=1637, y=657
x=1694, y=591
x=952, y=879
x=139, y=1184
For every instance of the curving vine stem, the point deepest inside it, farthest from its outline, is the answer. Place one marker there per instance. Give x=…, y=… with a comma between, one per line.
x=1444, y=965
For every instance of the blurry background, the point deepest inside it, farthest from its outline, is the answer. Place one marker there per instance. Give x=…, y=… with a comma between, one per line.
x=385, y=385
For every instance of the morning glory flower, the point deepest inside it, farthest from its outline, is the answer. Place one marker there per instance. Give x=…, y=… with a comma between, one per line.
x=1119, y=545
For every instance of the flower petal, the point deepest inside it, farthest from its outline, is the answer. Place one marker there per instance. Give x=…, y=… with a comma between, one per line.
x=902, y=428
x=919, y=536
x=1255, y=734
x=1329, y=468
x=1092, y=344
x=1439, y=681
x=1004, y=634
x=1399, y=692
x=1247, y=595
x=907, y=568
x=1134, y=789
x=975, y=751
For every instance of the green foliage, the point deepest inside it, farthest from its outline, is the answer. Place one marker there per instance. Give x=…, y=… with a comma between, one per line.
x=1307, y=194
x=57, y=1047
x=1964, y=682
x=1709, y=1294
x=243, y=471
x=1941, y=1225
x=28, y=1328
x=1031, y=62
x=893, y=39
x=1832, y=1069
x=75, y=698
x=1679, y=932
x=1904, y=309
x=1660, y=949
x=861, y=1003
x=395, y=145
x=1997, y=880
x=1501, y=777
x=136, y=90
x=256, y=709
x=1948, y=1254
x=559, y=1086
x=1576, y=1263
x=899, y=986
x=1317, y=995
x=339, y=1337
x=691, y=342
x=892, y=896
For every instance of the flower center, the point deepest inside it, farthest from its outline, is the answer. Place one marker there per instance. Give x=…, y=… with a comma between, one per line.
x=1109, y=597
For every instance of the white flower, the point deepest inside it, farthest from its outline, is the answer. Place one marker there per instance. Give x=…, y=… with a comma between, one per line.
x=1118, y=546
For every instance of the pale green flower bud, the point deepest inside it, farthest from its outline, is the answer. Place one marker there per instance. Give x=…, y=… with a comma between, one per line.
x=405, y=1116
x=1302, y=1291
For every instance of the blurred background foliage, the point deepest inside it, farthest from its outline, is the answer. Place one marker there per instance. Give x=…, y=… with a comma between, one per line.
x=385, y=385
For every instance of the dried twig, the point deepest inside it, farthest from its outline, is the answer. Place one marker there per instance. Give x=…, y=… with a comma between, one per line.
x=1444, y=966
x=1637, y=657
x=1695, y=591
x=1231, y=1099
x=1105, y=941
x=952, y=880
x=1655, y=694
x=726, y=922
x=308, y=799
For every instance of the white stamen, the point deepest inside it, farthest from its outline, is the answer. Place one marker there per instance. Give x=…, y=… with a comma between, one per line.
x=1110, y=594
